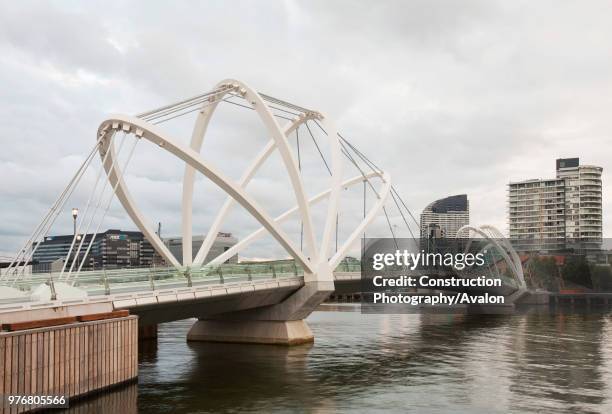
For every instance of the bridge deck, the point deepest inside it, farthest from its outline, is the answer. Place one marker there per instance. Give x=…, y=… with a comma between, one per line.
x=205, y=289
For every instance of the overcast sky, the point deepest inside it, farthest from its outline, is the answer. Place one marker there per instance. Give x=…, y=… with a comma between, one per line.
x=449, y=96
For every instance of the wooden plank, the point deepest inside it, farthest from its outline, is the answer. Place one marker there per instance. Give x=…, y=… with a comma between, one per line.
x=83, y=360
x=89, y=358
x=66, y=361
x=15, y=369
x=42, y=323
x=105, y=336
x=92, y=357
x=128, y=351
x=71, y=355
x=102, y=336
x=27, y=369
x=128, y=354
x=103, y=316
x=128, y=335
x=76, y=361
x=58, y=363
x=113, y=339
x=120, y=351
x=96, y=361
x=34, y=365
x=52, y=361
x=135, y=348
x=79, y=362
x=115, y=351
x=98, y=356
x=22, y=360
x=109, y=353
x=43, y=349
x=109, y=347
x=125, y=349
x=2, y=366
x=8, y=366
x=61, y=359
x=40, y=362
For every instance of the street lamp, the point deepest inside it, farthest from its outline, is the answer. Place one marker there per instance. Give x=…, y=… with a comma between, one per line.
x=75, y=213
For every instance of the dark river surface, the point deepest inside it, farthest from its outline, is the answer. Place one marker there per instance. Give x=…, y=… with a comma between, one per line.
x=538, y=362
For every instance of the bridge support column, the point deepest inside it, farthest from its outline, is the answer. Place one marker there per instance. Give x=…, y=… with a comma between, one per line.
x=281, y=324
x=254, y=332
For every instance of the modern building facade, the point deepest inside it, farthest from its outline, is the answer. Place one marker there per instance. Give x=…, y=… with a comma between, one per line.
x=559, y=214
x=222, y=243
x=443, y=218
x=110, y=250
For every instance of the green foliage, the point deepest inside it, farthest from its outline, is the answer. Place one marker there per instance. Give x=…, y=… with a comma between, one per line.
x=602, y=277
x=543, y=273
x=576, y=270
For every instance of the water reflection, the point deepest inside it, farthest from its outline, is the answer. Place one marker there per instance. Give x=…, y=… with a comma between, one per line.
x=121, y=400
x=533, y=362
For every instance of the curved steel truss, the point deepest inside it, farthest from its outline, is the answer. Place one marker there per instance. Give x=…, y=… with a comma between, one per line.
x=317, y=258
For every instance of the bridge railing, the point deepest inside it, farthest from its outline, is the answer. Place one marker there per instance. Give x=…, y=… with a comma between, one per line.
x=113, y=281
x=345, y=266
x=120, y=281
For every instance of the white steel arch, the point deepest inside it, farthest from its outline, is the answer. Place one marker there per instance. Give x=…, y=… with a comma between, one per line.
x=495, y=238
x=317, y=262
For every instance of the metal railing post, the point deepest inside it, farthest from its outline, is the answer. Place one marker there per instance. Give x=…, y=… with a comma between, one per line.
x=188, y=276
x=106, y=285
x=52, y=287
x=151, y=280
x=221, y=280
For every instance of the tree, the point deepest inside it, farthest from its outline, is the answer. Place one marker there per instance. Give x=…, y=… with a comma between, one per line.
x=602, y=277
x=576, y=270
x=543, y=272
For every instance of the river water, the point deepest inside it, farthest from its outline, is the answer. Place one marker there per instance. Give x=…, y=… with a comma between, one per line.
x=536, y=362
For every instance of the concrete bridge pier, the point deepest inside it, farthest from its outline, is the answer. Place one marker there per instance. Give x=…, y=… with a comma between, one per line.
x=281, y=324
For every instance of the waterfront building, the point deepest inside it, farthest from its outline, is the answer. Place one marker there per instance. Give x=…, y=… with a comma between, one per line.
x=443, y=218
x=222, y=243
x=562, y=213
x=111, y=249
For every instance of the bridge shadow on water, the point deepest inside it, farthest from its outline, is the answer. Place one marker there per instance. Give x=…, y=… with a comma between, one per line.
x=416, y=363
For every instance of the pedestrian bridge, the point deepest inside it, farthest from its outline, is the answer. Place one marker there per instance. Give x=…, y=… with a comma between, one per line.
x=166, y=294
x=233, y=302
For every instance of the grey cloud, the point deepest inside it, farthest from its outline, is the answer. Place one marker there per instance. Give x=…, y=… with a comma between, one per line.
x=449, y=96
